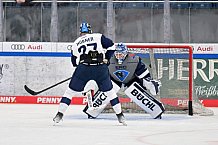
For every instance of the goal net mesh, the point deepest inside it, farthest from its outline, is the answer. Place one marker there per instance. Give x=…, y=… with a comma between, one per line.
x=172, y=65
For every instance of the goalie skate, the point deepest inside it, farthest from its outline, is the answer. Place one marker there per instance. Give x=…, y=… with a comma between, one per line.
x=121, y=119
x=58, y=117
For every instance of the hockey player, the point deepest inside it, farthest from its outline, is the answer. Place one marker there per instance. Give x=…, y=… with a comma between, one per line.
x=90, y=55
x=126, y=69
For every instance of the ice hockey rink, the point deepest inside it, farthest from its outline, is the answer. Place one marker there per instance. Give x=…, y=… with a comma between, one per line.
x=33, y=125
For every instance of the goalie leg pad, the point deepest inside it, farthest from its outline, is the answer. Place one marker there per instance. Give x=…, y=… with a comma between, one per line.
x=145, y=100
x=100, y=101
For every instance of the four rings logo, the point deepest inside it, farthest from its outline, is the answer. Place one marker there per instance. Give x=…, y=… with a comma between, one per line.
x=17, y=46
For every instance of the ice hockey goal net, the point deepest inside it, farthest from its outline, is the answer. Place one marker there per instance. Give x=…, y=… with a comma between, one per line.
x=172, y=65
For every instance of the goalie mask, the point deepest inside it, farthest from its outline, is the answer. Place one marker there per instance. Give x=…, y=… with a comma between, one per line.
x=85, y=28
x=121, y=52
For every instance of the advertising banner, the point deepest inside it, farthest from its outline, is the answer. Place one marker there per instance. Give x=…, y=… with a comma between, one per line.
x=42, y=64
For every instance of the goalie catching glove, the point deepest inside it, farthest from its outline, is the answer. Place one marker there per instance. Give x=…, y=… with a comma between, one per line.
x=152, y=85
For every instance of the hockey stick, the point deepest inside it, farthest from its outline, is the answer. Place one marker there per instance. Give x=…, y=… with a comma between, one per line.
x=30, y=91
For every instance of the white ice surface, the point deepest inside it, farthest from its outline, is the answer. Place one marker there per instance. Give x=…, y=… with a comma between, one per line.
x=33, y=125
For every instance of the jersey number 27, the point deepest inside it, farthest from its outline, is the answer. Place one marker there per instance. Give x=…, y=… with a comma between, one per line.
x=84, y=47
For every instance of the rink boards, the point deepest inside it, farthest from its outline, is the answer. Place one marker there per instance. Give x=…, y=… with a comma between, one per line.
x=42, y=64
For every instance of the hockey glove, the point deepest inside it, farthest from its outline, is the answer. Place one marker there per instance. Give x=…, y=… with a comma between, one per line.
x=152, y=85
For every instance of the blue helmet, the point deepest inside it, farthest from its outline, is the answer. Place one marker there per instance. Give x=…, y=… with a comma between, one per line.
x=85, y=28
x=121, y=52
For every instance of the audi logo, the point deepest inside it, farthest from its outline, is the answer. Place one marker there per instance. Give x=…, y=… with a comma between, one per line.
x=17, y=46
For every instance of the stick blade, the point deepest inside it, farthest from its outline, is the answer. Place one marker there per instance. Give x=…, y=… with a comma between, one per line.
x=30, y=91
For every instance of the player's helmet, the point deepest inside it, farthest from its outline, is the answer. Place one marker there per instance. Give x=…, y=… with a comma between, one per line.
x=85, y=28
x=121, y=52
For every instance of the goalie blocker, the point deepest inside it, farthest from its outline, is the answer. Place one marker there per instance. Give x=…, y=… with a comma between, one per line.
x=136, y=93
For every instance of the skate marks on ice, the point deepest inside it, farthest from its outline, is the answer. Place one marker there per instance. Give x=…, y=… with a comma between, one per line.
x=29, y=124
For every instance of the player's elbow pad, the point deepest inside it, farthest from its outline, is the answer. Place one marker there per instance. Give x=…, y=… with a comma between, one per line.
x=75, y=65
x=73, y=61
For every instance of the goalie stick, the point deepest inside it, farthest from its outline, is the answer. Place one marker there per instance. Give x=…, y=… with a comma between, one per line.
x=30, y=91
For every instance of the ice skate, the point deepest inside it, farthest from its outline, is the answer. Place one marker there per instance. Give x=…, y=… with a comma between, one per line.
x=58, y=117
x=121, y=119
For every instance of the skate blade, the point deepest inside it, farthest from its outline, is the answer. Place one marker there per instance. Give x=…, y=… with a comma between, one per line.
x=57, y=122
x=123, y=123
